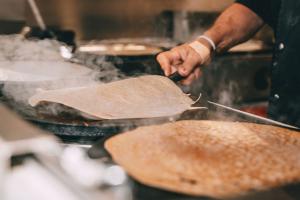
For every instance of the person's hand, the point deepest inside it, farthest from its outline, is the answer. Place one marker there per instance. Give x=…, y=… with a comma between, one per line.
x=183, y=59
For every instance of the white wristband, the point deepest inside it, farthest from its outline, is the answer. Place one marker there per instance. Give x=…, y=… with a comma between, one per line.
x=210, y=41
x=202, y=50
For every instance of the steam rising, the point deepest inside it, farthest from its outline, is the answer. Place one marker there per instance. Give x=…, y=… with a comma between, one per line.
x=27, y=66
x=17, y=48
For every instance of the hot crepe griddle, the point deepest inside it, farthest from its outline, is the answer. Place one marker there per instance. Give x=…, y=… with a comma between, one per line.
x=70, y=125
x=131, y=64
x=143, y=192
x=128, y=65
x=78, y=129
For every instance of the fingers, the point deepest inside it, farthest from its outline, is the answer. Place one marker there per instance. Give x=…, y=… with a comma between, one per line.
x=192, y=77
x=164, y=62
x=198, y=72
x=192, y=61
x=167, y=60
x=183, y=59
x=188, y=80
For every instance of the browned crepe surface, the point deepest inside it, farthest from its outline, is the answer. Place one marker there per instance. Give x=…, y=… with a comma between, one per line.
x=209, y=158
x=142, y=97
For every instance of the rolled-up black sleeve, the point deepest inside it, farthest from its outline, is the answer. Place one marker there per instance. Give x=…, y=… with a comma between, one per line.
x=268, y=10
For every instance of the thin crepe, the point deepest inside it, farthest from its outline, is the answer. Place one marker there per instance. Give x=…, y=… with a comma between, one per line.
x=209, y=158
x=142, y=97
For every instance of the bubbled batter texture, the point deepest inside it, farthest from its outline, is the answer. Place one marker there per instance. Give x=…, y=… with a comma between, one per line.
x=209, y=158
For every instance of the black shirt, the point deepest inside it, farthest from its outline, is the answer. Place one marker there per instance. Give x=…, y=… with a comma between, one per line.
x=268, y=10
x=284, y=17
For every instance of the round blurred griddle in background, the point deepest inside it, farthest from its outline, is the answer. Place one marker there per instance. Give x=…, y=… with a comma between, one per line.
x=132, y=56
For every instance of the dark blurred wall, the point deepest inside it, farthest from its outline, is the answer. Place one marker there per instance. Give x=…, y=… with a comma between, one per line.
x=117, y=18
x=12, y=16
x=13, y=10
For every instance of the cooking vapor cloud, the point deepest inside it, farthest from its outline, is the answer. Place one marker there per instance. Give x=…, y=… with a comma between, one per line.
x=29, y=65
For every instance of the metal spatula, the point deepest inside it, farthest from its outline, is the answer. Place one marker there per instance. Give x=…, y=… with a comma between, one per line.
x=177, y=77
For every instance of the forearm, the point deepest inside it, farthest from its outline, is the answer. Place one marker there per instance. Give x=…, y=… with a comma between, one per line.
x=235, y=25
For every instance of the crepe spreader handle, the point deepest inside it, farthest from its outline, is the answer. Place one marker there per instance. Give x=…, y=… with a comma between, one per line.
x=175, y=77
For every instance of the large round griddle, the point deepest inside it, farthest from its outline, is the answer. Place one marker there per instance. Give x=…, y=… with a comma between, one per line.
x=71, y=126
x=144, y=192
x=76, y=128
x=130, y=63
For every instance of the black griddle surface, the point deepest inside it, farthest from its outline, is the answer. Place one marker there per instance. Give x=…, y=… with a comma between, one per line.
x=143, y=192
x=80, y=130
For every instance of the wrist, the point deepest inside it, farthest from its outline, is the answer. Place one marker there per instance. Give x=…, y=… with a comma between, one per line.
x=208, y=42
x=202, y=50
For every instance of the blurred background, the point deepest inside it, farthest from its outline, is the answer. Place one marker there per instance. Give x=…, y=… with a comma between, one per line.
x=176, y=21
x=107, y=19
